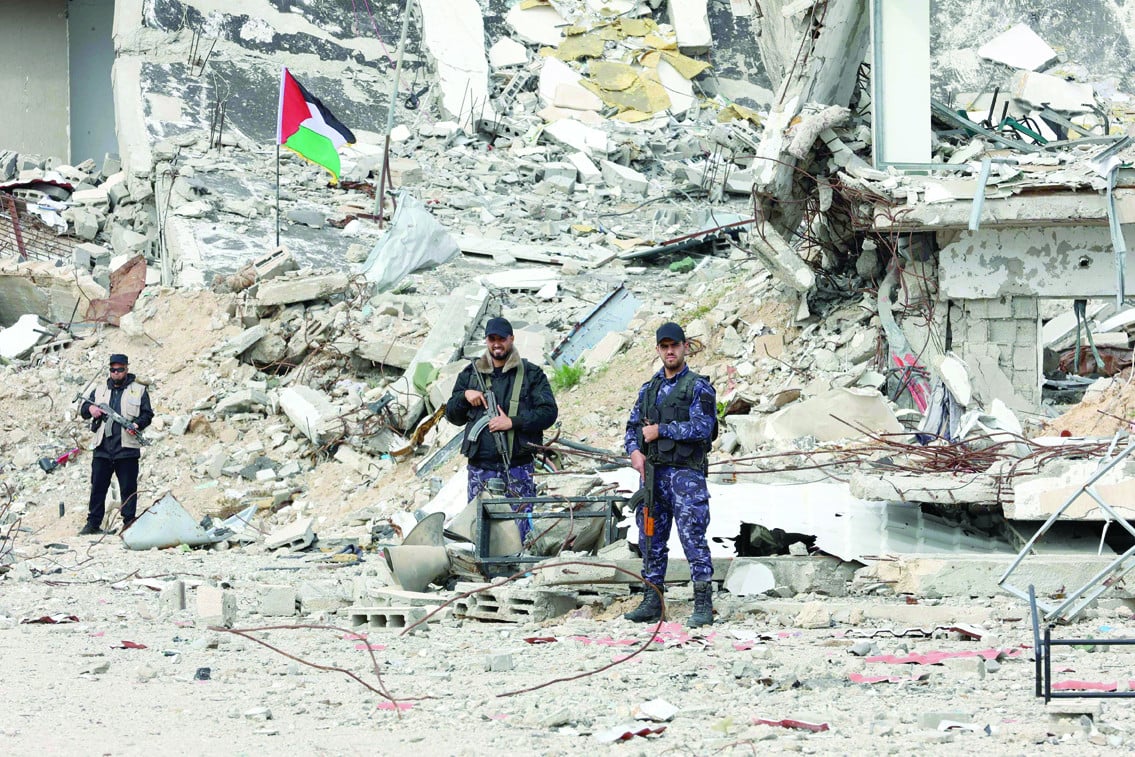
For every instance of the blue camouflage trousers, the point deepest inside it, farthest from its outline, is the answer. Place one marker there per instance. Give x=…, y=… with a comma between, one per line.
x=680, y=495
x=520, y=483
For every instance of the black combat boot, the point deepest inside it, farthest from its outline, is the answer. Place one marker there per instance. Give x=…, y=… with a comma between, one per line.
x=649, y=610
x=703, y=606
x=90, y=529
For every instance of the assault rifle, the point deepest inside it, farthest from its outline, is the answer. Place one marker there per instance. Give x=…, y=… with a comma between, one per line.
x=647, y=535
x=500, y=438
x=116, y=417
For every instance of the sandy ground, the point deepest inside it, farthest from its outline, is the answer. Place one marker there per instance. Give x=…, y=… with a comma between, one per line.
x=71, y=688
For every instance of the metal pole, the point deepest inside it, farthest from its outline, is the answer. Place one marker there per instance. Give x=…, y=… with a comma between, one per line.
x=380, y=196
x=277, y=193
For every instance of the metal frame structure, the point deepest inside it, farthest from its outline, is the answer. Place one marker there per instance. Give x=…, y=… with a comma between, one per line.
x=487, y=514
x=1042, y=655
x=1077, y=600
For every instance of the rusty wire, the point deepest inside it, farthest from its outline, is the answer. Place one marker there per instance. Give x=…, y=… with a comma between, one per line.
x=380, y=690
x=534, y=569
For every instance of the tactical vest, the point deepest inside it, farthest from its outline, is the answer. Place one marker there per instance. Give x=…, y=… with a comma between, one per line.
x=131, y=408
x=675, y=406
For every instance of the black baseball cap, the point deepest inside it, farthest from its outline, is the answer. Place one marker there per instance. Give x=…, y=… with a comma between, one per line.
x=498, y=327
x=671, y=331
x=118, y=358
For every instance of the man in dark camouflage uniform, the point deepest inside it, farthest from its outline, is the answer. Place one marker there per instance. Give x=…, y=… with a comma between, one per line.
x=672, y=425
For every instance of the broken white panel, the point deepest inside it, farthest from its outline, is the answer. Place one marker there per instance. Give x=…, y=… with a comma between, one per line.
x=1056, y=332
x=680, y=89
x=414, y=241
x=900, y=82
x=167, y=524
x=538, y=26
x=1043, y=90
x=455, y=36
x=17, y=340
x=844, y=526
x=554, y=73
x=746, y=579
x=956, y=378
x=572, y=133
x=507, y=52
x=575, y=97
x=1118, y=321
x=690, y=20
x=1019, y=47
x=523, y=279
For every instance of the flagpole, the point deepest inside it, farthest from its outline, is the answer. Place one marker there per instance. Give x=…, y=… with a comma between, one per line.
x=380, y=196
x=277, y=193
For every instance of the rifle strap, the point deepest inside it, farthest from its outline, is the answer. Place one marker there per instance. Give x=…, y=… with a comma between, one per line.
x=514, y=403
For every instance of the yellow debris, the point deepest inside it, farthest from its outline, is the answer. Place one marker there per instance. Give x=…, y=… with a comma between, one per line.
x=526, y=4
x=685, y=65
x=735, y=112
x=612, y=76
x=632, y=116
x=658, y=43
x=579, y=46
x=637, y=27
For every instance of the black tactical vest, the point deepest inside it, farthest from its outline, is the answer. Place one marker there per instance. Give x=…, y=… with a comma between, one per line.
x=675, y=406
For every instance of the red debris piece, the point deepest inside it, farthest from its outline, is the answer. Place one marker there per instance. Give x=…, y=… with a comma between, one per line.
x=58, y=618
x=860, y=678
x=789, y=723
x=935, y=658
x=130, y=645
x=373, y=647
x=403, y=706
x=627, y=732
x=541, y=639
x=355, y=636
x=1084, y=686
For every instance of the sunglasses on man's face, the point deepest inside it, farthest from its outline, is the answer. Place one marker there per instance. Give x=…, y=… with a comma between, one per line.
x=118, y=370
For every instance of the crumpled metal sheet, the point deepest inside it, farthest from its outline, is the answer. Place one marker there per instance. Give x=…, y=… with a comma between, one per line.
x=126, y=283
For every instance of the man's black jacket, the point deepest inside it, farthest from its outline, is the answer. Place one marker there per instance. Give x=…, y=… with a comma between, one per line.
x=536, y=411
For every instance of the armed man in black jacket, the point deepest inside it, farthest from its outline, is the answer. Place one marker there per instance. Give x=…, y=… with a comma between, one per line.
x=497, y=438
x=117, y=450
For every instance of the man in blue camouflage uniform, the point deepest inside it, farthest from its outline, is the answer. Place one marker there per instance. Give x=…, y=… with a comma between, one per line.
x=671, y=427
x=525, y=409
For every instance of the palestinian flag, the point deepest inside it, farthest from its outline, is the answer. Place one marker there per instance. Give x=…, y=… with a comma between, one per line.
x=307, y=128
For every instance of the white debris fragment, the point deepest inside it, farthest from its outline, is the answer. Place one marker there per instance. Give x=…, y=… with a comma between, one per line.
x=1019, y=47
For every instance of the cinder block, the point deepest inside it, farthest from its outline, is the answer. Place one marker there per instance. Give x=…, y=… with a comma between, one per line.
x=171, y=599
x=215, y=606
x=389, y=617
x=278, y=601
x=999, y=308
x=1025, y=307
x=1003, y=333
x=511, y=605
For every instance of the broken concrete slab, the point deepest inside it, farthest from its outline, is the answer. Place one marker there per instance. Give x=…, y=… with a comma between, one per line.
x=216, y=606
x=506, y=52
x=937, y=488
x=453, y=34
x=838, y=414
x=1046, y=90
x=18, y=340
x=312, y=412
x=296, y=535
x=1037, y=497
x=690, y=20
x=536, y=24
x=301, y=288
x=630, y=180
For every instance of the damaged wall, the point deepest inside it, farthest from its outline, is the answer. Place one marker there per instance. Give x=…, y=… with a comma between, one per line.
x=33, y=76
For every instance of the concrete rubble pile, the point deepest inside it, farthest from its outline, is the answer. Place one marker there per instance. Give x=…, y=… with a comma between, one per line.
x=883, y=428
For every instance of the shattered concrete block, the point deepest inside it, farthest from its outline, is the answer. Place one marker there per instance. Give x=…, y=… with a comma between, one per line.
x=242, y=341
x=301, y=289
x=574, y=97
x=311, y=411
x=17, y=340
x=171, y=598
x=126, y=241
x=215, y=606
x=278, y=601
x=296, y=535
x=95, y=197
x=631, y=181
x=588, y=172
x=557, y=169
x=1019, y=47
x=579, y=136
x=324, y=596
x=1042, y=90
x=499, y=662
x=690, y=19
x=243, y=401
x=386, y=352
x=362, y=463
x=85, y=223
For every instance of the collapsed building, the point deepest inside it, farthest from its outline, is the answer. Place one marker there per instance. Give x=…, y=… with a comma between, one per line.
x=915, y=232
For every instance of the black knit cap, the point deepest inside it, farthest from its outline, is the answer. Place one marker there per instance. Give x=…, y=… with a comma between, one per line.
x=118, y=358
